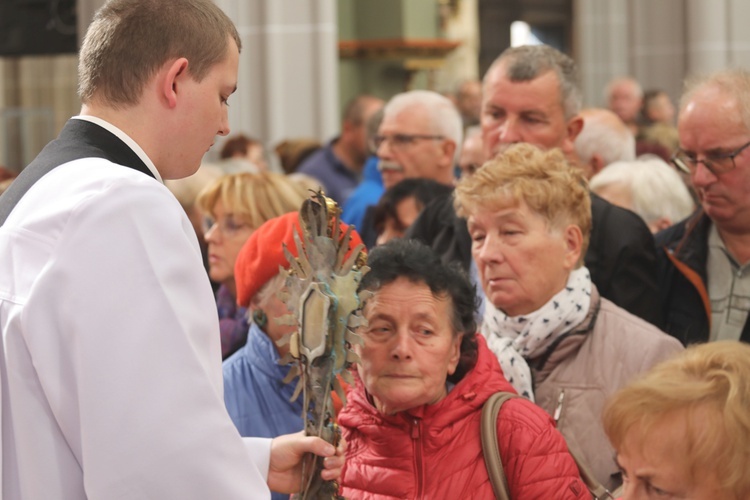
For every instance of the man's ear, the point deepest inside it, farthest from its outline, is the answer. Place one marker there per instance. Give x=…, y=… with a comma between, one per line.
x=173, y=75
x=575, y=125
x=347, y=126
x=449, y=150
x=572, y=129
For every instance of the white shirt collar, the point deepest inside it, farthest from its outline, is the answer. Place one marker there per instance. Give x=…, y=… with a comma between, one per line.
x=124, y=138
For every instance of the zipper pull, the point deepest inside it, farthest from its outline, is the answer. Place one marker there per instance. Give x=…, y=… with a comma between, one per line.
x=558, y=409
x=415, y=429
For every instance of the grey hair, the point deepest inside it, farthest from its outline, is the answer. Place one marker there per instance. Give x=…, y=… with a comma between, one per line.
x=604, y=134
x=623, y=79
x=269, y=290
x=656, y=188
x=444, y=117
x=526, y=63
x=734, y=82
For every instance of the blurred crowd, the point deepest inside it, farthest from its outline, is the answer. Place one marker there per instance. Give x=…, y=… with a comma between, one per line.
x=594, y=261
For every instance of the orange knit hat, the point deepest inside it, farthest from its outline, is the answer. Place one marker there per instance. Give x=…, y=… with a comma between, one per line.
x=262, y=254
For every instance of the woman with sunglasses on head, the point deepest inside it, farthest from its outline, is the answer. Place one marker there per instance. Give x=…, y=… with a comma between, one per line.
x=235, y=206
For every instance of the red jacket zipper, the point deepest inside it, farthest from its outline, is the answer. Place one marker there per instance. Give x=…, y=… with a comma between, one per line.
x=415, y=436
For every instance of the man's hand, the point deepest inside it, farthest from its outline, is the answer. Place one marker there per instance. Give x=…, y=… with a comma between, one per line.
x=285, y=469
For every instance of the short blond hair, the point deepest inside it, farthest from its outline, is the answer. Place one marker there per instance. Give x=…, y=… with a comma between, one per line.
x=544, y=180
x=252, y=198
x=709, y=385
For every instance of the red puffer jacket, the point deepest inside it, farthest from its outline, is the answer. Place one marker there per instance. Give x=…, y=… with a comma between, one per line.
x=435, y=451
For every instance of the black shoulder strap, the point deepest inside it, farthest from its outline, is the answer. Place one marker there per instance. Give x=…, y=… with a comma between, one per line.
x=78, y=139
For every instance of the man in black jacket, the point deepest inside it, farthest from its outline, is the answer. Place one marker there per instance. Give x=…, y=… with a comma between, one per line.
x=531, y=95
x=703, y=260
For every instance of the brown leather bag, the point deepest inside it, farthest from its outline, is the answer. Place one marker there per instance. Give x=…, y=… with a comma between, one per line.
x=494, y=463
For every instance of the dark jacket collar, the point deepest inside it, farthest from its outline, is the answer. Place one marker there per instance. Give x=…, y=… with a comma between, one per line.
x=78, y=139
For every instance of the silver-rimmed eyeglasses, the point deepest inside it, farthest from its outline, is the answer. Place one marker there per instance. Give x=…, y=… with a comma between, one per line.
x=228, y=225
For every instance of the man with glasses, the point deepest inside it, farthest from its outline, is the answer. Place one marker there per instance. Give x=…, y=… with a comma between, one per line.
x=704, y=270
x=420, y=136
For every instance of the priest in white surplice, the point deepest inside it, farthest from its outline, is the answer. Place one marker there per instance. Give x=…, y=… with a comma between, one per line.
x=111, y=363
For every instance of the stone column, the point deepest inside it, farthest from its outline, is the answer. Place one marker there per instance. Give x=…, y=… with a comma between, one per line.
x=600, y=45
x=707, y=25
x=288, y=78
x=85, y=9
x=738, y=34
x=658, y=52
x=463, y=62
x=718, y=37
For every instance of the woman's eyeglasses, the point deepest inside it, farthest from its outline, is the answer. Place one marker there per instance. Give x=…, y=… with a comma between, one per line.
x=228, y=225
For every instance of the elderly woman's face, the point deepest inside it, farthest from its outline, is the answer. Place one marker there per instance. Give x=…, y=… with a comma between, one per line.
x=409, y=348
x=653, y=466
x=522, y=264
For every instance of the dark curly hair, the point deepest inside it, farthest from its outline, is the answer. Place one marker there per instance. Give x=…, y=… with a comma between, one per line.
x=411, y=259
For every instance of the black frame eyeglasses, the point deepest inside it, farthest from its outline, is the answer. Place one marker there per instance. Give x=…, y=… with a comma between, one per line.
x=718, y=164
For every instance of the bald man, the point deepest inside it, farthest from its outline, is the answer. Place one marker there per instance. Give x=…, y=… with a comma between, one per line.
x=705, y=259
x=603, y=140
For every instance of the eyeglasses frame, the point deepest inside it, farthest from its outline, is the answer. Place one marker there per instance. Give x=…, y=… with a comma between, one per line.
x=708, y=162
x=405, y=139
x=226, y=229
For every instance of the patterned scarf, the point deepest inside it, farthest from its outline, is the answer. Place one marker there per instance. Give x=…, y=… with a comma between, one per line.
x=514, y=339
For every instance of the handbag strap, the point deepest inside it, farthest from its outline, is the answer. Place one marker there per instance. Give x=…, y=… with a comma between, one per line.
x=493, y=461
x=597, y=489
x=490, y=448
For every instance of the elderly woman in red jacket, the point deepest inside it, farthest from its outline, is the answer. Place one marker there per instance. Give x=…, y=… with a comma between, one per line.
x=412, y=421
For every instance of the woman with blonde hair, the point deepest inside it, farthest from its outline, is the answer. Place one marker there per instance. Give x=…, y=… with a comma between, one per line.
x=683, y=429
x=234, y=206
x=558, y=341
